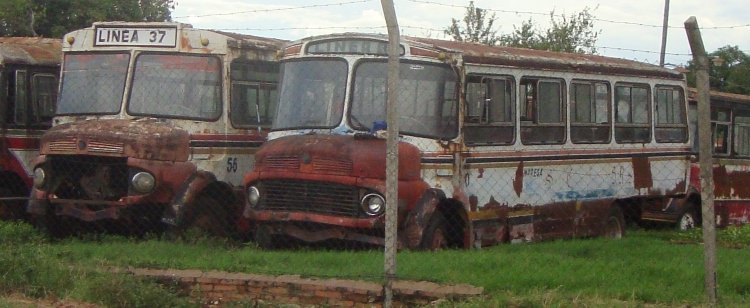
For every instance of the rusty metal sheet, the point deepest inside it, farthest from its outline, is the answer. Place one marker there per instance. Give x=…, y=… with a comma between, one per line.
x=30, y=50
x=145, y=139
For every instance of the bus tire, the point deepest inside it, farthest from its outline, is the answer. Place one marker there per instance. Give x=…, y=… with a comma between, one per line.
x=614, y=226
x=687, y=220
x=435, y=235
x=264, y=237
x=207, y=215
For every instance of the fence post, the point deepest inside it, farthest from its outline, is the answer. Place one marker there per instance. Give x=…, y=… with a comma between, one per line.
x=705, y=157
x=391, y=184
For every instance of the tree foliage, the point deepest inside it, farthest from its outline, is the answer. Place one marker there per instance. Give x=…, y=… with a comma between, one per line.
x=729, y=70
x=567, y=33
x=477, y=27
x=54, y=18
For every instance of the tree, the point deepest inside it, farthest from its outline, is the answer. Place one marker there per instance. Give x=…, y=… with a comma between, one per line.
x=573, y=33
x=474, y=29
x=729, y=70
x=54, y=18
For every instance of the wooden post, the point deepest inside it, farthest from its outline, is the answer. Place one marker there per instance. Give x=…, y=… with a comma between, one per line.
x=705, y=157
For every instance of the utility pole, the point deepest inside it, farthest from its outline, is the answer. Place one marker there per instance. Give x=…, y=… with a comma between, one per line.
x=391, y=159
x=705, y=157
x=664, y=28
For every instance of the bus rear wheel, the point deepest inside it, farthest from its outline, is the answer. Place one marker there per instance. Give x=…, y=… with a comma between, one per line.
x=207, y=215
x=614, y=227
x=435, y=235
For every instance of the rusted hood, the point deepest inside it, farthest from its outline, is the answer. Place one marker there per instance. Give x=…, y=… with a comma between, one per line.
x=362, y=157
x=143, y=138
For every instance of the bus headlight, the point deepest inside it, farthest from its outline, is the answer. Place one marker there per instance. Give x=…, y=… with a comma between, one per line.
x=253, y=196
x=39, y=177
x=143, y=182
x=373, y=204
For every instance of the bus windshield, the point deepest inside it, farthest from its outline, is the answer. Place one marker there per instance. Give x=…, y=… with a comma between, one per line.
x=312, y=94
x=426, y=94
x=93, y=83
x=180, y=86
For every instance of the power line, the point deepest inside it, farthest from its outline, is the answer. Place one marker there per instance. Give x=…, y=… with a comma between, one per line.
x=594, y=18
x=275, y=9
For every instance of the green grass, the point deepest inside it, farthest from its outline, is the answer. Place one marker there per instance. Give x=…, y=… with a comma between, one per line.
x=645, y=267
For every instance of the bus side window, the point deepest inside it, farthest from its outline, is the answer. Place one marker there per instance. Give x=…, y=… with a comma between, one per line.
x=4, y=103
x=671, y=123
x=253, y=95
x=632, y=113
x=720, y=122
x=542, y=111
x=489, y=110
x=590, y=112
x=742, y=135
x=21, y=101
x=43, y=98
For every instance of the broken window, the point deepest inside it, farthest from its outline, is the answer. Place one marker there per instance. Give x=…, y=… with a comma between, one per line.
x=254, y=94
x=742, y=136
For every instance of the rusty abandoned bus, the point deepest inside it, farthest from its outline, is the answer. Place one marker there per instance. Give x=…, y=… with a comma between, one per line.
x=496, y=144
x=29, y=70
x=730, y=126
x=154, y=121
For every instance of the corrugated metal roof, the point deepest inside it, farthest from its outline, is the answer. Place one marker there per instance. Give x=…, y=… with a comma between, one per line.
x=32, y=50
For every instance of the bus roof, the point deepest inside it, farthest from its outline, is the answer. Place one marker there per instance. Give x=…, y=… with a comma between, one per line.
x=721, y=96
x=30, y=50
x=474, y=53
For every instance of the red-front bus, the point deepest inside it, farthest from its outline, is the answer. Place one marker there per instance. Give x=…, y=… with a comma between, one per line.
x=29, y=70
x=496, y=144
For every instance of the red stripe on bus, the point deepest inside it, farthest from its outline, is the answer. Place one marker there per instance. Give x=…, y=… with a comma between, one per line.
x=23, y=143
x=222, y=137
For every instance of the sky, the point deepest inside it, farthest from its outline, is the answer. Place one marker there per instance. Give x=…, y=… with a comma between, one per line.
x=629, y=29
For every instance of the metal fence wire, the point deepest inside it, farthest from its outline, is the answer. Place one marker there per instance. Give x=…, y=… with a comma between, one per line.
x=488, y=154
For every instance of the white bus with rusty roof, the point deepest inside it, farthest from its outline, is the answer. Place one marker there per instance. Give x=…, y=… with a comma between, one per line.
x=496, y=144
x=29, y=70
x=155, y=122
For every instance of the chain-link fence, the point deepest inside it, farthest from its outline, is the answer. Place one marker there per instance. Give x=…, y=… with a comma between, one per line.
x=521, y=151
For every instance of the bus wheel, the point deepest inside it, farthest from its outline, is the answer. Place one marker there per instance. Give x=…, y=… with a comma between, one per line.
x=265, y=238
x=687, y=220
x=435, y=237
x=10, y=210
x=207, y=215
x=614, y=227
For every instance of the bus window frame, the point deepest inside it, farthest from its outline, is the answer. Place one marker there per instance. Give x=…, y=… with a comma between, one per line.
x=132, y=75
x=36, y=116
x=715, y=122
x=530, y=127
x=125, y=81
x=745, y=113
x=238, y=65
x=631, y=124
x=572, y=107
x=484, y=126
x=670, y=126
x=21, y=102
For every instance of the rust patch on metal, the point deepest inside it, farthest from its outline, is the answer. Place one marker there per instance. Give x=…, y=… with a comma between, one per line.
x=642, y=177
x=145, y=139
x=518, y=180
x=30, y=50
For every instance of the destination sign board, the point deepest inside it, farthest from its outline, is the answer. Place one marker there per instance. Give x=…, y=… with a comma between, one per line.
x=350, y=46
x=125, y=36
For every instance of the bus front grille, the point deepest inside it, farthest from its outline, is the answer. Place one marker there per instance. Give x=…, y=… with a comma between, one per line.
x=310, y=197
